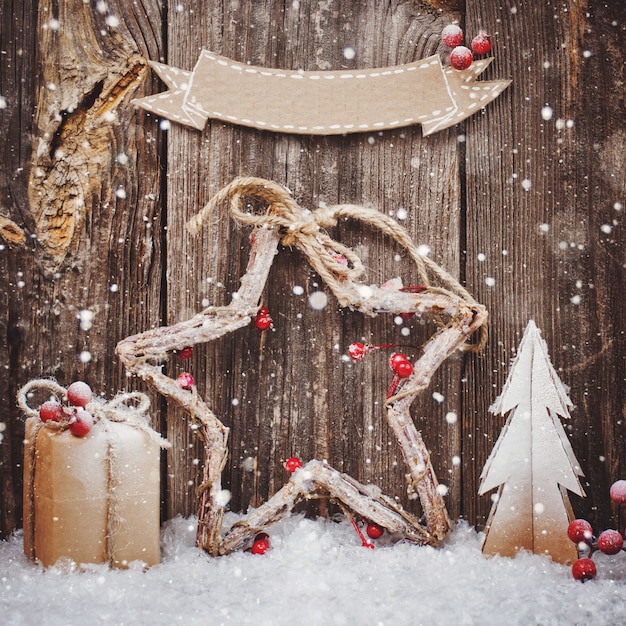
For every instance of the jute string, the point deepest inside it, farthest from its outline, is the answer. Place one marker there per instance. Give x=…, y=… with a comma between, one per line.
x=304, y=229
x=127, y=408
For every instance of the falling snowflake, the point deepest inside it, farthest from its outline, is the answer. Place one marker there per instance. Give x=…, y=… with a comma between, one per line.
x=349, y=53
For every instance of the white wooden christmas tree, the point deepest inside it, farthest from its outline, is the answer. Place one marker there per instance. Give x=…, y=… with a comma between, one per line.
x=532, y=463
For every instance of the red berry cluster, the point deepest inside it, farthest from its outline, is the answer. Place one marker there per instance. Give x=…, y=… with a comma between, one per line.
x=75, y=416
x=400, y=366
x=461, y=57
x=609, y=541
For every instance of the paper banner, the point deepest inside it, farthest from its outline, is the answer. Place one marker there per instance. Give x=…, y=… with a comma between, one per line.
x=321, y=103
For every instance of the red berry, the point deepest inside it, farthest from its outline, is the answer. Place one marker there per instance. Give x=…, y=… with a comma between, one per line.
x=357, y=351
x=185, y=353
x=185, y=380
x=452, y=36
x=262, y=322
x=610, y=542
x=51, y=411
x=79, y=393
x=81, y=423
x=405, y=369
x=374, y=531
x=618, y=492
x=584, y=569
x=461, y=58
x=400, y=365
x=580, y=530
x=395, y=358
x=260, y=546
x=293, y=464
x=481, y=44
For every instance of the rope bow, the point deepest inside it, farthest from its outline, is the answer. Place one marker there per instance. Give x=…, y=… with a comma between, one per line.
x=333, y=261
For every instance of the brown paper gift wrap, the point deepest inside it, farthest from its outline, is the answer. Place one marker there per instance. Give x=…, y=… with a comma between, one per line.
x=91, y=499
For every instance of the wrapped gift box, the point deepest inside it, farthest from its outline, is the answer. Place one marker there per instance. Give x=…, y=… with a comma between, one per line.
x=92, y=499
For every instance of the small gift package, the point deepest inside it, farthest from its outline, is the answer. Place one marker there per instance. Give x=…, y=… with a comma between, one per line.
x=91, y=477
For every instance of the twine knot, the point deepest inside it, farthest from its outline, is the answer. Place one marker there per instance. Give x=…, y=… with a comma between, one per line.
x=128, y=408
x=336, y=264
x=300, y=228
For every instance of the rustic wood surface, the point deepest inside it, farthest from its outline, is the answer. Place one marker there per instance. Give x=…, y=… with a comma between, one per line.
x=68, y=71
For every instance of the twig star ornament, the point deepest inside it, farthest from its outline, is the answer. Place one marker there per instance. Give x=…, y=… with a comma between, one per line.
x=284, y=221
x=532, y=462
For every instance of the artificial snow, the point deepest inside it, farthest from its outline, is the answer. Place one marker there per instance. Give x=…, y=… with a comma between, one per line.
x=316, y=572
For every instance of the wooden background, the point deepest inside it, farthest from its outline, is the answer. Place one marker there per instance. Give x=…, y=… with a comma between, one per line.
x=102, y=193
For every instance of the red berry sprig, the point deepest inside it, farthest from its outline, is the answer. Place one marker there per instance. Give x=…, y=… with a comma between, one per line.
x=462, y=57
x=357, y=350
x=402, y=368
x=400, y=365
x=584, y=569
x=618, y=492
x=81, y=422
x=75, y=416
x=580, y=530
x=609, y=542
x=51, y=411
x=364, y=542
x=79, y=393
x=263, y=321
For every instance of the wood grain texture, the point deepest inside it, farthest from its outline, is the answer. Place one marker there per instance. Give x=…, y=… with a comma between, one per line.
x=295, y=395
x=544, y=245
x=462, y=189
x=115, y=266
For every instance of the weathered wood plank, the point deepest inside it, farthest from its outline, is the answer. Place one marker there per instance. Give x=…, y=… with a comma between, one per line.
x=92, y=178
x=295, y=394
x=538, y=193
x=18, y=46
